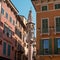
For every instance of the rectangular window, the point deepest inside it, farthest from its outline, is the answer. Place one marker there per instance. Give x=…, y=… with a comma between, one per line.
x=45, y=26
x=4, y=48
x=16, y=21
x=6, y=15
x=45, y=47
x=58, y=24
x=2, y=11
x=41, y=1
x=44, y=8
x=9, y=50
x=57, y=46
x=7, y=31
x=57, y=6
x=18, y=33
x=11, y=20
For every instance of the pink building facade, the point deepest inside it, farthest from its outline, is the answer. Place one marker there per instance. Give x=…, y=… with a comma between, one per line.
x=7, y=29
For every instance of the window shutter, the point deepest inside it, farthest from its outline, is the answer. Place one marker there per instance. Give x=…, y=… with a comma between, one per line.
x=55, y=46
x=50, y=46
x=4, y=48
x=9, y=50
x=41, y=47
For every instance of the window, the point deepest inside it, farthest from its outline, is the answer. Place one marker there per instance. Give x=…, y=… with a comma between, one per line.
x=57, y=46
x=9, y=50
x=44, y=8
x=58, y=24
x=7, y=31
x=4, y=48
x=0, y=42
x=15, y=43
x=6, y=15
x=11, y=20
x=45, y=26
x=2, y=11
x=19, y=47
x=57, y=6
x=45, y=47
x=18, y=33
x=41, y=1
x=16, y=21
x=48, y=0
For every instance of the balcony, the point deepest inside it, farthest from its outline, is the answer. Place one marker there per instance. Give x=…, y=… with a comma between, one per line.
x=7, y=38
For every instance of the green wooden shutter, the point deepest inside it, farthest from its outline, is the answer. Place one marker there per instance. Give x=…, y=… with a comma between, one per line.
x=55, y=46
x=41, y=47
x=50, y=46
x=4, y=48
x=9, y=50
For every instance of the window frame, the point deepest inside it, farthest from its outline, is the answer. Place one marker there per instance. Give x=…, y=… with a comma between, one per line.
x=2, y=11
x=7, y=31
x=6, y=15
x=55, y=23
x=55, y=6
x=48, y=26
x=56, y=46
x=11, y=21
x=41, y=51
x=45, y=44
x=44, y=5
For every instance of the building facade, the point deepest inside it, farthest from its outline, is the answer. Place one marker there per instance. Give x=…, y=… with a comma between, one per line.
x=12, y=29
x=7, y=28
x=19, y=44
x=24, y=33
x=48, y=29
x=34, y=49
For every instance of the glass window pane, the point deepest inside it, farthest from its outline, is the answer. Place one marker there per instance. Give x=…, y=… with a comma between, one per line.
x=11, y=20
x=57, y=6
x=7, y=15
x=44, y=8
x=2, y=11
x=44, y=25
x=58, y=43
x=46, y=44
x=58, y=24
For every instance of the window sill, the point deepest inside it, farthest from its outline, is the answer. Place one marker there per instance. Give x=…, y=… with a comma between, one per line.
x=51, y=55
x=44, y=33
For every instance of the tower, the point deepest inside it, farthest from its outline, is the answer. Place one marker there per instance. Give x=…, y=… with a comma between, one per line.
x=30, y=35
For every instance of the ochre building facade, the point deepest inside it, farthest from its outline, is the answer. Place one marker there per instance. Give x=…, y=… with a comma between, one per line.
x=47, y=29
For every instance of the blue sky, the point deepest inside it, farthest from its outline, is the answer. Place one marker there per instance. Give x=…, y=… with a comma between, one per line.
x=23, y=7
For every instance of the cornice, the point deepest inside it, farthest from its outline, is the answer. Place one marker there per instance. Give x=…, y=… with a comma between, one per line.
x=11, y=5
